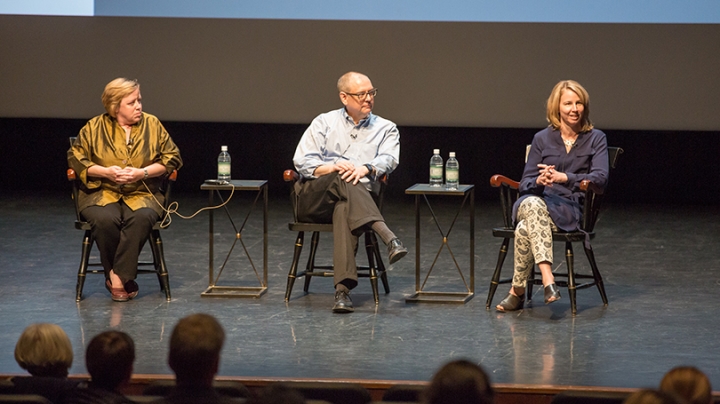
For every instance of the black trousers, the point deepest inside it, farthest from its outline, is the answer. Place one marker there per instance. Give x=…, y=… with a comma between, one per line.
x=120, y=234
x=329, y=199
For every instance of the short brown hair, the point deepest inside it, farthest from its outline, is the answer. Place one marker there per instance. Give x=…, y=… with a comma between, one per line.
x=689, y=383
x=115, y=91
x=459, y=382
x=195, y=346
x=44, y=349
x=109, y=359
x=650, y=396
x=553, y=104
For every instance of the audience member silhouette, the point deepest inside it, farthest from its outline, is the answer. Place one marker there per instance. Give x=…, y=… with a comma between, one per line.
x=45, y=351
x=688, y=383
x=459, y=382
x=194, y=356
x=278, y=393
x=650, y=396
x=109, y=360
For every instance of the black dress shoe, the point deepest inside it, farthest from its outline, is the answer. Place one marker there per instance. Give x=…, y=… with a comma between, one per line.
x=343, y=304
x=552, y=293
x=396, y=250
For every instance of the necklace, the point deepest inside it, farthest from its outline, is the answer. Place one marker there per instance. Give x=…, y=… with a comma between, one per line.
x=569, y=143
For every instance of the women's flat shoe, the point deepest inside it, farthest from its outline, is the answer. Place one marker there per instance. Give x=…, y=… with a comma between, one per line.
x=552, y=293
x=117, y=294
x=511, y=303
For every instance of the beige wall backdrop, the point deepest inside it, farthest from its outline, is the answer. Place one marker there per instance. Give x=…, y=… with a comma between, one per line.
x=640, y=76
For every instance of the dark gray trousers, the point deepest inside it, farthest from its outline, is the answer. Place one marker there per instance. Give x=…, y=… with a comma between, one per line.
x=329, y=199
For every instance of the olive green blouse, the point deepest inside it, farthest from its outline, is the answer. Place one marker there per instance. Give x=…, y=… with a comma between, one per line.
x=102, y=141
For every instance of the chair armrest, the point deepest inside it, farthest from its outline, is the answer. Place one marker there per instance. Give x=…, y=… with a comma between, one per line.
x=71, y=176
x=173, y=176
x=587, y=185
x=498, y=180
x=290, y=176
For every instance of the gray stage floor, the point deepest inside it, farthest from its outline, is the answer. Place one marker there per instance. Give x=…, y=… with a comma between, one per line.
x=661, y=267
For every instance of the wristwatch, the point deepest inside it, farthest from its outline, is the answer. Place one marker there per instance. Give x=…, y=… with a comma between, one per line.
x=146, y=174
x=371, y=169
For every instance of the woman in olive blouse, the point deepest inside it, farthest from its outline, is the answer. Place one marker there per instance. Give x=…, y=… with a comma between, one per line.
x=120, y=157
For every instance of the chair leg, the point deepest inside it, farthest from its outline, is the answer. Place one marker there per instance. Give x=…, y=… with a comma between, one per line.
x=159, y=263
x=496, y=275
x=571, y=276
x=293, y=267
x=596, y=274
x=314, y=241
x=370, y=250
x=380, y=264
x=87, y=244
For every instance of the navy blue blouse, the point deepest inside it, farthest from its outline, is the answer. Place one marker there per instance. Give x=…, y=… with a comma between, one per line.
x=587, y=160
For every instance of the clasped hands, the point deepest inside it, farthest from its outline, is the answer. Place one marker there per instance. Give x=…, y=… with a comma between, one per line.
x=349, y=172
x=548, y=175
x=125, y=175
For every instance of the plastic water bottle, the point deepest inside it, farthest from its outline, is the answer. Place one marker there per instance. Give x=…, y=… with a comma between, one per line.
x=436, y=169
x=452, y=172
x=224, y=164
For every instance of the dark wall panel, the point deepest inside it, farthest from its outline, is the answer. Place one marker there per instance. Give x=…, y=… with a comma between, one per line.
x=657, y=166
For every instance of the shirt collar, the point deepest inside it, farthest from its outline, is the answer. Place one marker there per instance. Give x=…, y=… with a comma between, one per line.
x=363, y=122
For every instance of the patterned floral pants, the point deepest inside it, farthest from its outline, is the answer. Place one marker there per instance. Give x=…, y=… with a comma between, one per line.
x=533, y=238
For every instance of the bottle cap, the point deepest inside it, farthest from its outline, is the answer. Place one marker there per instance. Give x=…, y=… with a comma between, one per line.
x=436, y=151
x=452, y=154
x=223, y=148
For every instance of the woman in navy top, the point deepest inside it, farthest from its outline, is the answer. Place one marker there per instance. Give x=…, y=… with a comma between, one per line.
x=562, y=155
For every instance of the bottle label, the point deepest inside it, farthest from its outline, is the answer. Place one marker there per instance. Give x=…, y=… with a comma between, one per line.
x=436, y=172
x=223, y=168
x=452, y=175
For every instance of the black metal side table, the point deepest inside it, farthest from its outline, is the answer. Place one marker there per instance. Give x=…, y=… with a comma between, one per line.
x=214, y=290
x=421, y=295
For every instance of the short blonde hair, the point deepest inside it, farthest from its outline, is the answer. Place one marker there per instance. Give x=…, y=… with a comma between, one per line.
x=553, y=104
x=689, y=383
x=115, y=91
x=44, y=350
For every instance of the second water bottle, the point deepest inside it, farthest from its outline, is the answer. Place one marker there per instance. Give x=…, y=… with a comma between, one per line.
x=452, y=172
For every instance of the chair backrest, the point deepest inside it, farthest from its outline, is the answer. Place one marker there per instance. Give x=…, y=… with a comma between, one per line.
x=166, y=186
x=6, y=386
x=590, y=397
x=23, y=399
x=593, y=200
x=335, y=393
x=404, y=393
x=228, y=388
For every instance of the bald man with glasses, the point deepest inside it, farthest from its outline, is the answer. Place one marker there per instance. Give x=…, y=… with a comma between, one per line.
x=340, y=157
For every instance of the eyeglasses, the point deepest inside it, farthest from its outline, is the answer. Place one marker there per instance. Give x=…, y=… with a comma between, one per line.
x=362, y=96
